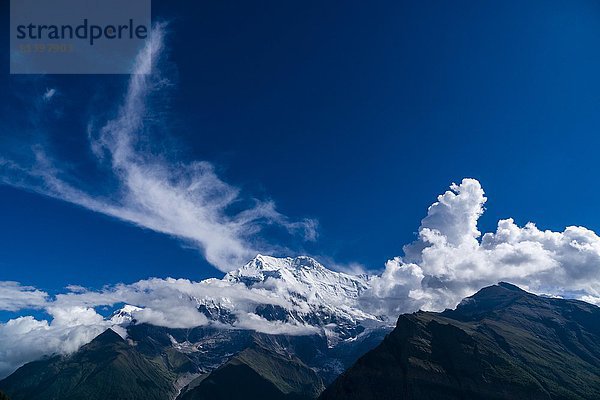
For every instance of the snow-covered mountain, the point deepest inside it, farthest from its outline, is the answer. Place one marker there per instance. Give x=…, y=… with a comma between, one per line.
x=320, y=298
x=303, y=278
x=282, y=296
x=290, y=306
x=277, y=310
x=124, y=316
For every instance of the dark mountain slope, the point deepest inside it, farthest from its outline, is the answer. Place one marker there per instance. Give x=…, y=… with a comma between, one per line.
x=161, y=360
x=209, y=347
x=257, y=373
x=106, y=368
x=501, y=343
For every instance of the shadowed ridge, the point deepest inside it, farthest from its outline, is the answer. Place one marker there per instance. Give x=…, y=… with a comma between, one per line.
x=258, y=372
x=510, y=286
x=106, y=368
x=501, y=343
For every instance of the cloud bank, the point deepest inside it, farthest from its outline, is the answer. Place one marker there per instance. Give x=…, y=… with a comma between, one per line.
x=174, y=303
x=184, y=200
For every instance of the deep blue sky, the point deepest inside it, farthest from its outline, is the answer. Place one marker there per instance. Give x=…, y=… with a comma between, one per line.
x=355, y=114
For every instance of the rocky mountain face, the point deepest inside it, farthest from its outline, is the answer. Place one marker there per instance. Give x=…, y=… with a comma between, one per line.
x=257, y=374
x=501, y=343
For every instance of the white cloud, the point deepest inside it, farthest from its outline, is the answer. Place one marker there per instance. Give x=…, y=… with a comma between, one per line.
x=14, y=297
x=456, y=212
x=25, y=339
x=591, y=299
x=257, y=323
x=185, y=200
x=450, y=261
x=49, y=94
x=163, y=302
x=74, y=316
x=178, y=317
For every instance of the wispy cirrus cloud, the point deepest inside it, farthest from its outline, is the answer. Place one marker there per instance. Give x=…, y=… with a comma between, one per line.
x=185, y=200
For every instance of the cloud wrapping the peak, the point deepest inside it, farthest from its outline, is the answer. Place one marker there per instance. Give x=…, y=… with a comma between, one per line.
x=172, y=303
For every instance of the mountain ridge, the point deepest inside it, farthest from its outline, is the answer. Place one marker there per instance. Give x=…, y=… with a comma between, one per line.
x=297, y=294
x=500, y=343
x=259, y=373
x=107, y=367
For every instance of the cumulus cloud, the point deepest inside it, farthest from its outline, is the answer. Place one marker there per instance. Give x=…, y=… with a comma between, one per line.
x=185, y=200
x=451, y=260
x=25, y=338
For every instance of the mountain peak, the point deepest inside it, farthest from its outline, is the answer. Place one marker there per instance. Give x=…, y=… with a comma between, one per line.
x=291, y=272
x=270, y=263
x=262, y=267
x=488, y=299
x=107, y=337
x=501, y=343
x=262, y=261
x=498, y=292
x=124, y=315
x=309, y=294
x=511, y=287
